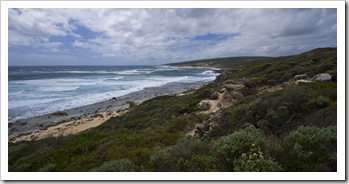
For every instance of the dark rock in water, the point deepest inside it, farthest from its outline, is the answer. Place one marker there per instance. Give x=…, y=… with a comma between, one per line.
x=322, y=77
x=114, y=98
x=300, y=76
x=60, y=113
x=214, y=95
x=97, y=115
x=24, y=123
x=203, y=106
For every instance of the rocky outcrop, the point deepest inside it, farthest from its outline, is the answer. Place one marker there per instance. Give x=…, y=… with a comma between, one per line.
x=300, y=76
x=131, y=104
x=322, y=77
x=203, y=106
x=97, y=116
x=202, y=130
x=60, y=113
x=214, y=95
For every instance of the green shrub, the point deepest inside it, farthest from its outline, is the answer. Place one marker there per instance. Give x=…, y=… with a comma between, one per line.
x=48, y=168
x=311, y=149
x=256, y=161
x=23, y=168
x=320, y=102
x=201, y=163
x=122, y=165
x=162, y=160
x=232, y=146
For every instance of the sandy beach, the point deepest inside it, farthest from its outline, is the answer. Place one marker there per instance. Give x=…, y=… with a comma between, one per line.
x=78, y=119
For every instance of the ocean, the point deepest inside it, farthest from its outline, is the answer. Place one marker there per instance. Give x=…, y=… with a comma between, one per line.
x=39, y=90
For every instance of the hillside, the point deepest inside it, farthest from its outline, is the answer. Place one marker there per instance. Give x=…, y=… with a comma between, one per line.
x=275, y=115
x=228, y=62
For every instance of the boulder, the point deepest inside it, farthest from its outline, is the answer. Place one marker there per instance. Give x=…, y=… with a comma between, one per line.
x=231, y=87
x=322, y=77
x=60, y=113
x=229, y=82
x=222, y=90
x=300, y=76
x=214, y=95
x=97, y=116
x=249, y=126
x=131, y=104
x=203, y=106
x=203, y=127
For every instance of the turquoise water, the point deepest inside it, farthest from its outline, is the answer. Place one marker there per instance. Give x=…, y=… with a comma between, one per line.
x=39, y=90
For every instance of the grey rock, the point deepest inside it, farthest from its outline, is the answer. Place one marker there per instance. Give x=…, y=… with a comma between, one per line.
x=249, y=125
x=203, y=106
x=222, y=90
x=300, y=76
x=229, y=87
x=322, y=77
x=60, y=113
x=214, y=95
x=97, y=116
x=229, y=82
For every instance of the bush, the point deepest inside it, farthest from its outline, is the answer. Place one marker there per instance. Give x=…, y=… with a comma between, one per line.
x=231, y=147
x=48, y=168
x=320, y=102
x=200, y=163
x=186, y=155
x=162, y=160
x=311, y=149
x=256, y=161
x=122, y=165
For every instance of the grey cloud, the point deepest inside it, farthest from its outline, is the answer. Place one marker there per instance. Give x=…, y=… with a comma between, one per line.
x=166, y=34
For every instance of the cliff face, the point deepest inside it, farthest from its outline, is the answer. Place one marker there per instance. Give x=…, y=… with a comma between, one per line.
x=271, y=114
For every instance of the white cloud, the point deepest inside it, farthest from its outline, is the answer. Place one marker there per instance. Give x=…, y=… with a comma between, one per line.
x=167, y=34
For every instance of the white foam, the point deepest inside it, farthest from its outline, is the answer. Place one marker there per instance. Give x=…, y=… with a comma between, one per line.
x=208, y=72
x=133, y=72
x=61, y=88
x=28, y=102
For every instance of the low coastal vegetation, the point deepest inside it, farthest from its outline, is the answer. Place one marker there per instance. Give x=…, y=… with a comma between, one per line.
x=272, y=114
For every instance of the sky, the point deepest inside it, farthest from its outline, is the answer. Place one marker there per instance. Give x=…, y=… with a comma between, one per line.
x=158, y=36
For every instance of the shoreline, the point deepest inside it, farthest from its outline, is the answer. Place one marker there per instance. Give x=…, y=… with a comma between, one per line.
x=72, y=121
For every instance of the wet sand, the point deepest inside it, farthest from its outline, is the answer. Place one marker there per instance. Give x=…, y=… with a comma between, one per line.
x=78, y=119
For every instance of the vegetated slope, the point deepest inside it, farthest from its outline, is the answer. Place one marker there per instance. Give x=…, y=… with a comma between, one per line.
x=267, y=121
x=228, y=62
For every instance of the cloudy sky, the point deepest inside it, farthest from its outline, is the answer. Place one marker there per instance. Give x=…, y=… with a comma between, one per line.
x=157, y=36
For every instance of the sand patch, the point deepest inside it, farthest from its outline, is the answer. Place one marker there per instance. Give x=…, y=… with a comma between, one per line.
x=68, y=128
